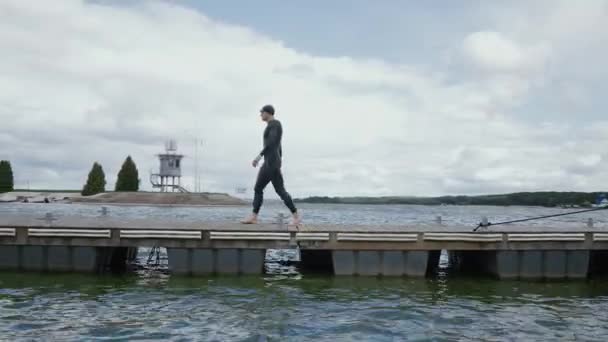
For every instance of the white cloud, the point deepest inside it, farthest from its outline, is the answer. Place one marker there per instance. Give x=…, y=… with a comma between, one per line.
x=81, y=82
x=495, y=52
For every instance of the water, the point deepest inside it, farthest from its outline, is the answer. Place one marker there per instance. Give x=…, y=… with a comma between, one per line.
x=322, y=214
x=279, y=308
x=288, y=306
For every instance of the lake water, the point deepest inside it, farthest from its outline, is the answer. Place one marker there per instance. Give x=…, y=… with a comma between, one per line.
x=322, y=213
x=284, y=305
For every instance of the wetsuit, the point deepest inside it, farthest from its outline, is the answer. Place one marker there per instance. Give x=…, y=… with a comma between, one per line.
x=271, y=169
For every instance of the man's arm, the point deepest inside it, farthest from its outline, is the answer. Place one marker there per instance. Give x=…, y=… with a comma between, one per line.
x=274, y=135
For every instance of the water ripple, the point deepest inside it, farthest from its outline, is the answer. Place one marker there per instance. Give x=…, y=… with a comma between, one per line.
x=305, y=309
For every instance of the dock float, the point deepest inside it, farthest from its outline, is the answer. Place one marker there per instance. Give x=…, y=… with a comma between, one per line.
x=94, y=244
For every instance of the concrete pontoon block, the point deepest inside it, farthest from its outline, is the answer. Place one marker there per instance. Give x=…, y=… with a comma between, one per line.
x=578, y=264
x=9, y=257
x=393, y=263
x=386, y=263
x=85, y=259
x=252, y=261
x=179, y=260
x=416, y=263
x=555, y=264
x=203, y=261
x=538, y=264
x=33, y=258
x=344, y=262
x=368, y=263
x=59, y=258
x=227, y=261
x=507, y=264
x=531, y=264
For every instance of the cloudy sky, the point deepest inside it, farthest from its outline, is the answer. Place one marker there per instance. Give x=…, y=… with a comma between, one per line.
x=376, y=98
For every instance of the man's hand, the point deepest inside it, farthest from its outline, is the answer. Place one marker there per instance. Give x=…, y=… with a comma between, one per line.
x=256, y=161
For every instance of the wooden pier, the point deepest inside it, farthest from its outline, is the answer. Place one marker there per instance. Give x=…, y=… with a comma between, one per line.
x=96, y=243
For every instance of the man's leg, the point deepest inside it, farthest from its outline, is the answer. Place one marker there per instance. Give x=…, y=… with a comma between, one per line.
x=264, y=177
x=279, y=187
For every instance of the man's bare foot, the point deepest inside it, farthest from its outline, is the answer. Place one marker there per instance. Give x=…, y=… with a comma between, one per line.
x=253, y=219
x=296, y=220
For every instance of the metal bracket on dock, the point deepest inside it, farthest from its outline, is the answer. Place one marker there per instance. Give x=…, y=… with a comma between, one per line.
x=484, y=224
x=48, y=218
x=281, y=221
x=438, y=219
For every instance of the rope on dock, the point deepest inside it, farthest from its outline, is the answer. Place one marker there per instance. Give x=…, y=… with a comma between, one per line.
x=487, y=224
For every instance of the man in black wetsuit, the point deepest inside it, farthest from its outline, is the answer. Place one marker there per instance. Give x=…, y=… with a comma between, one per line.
x=271, y=169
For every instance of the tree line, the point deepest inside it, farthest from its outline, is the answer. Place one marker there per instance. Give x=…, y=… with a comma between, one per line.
x=541, y=198
x=6, y=176
x=128, y=178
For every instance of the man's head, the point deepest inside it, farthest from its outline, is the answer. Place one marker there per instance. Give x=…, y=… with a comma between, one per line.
x=267, y=113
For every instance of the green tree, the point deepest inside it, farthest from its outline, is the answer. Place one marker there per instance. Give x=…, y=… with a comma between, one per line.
x=128, y=176
x=6, y=176
x=96, y=182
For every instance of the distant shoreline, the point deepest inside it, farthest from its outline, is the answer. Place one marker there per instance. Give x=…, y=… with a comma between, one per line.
x=534, y=199
x=157, y=205
x=164, y=199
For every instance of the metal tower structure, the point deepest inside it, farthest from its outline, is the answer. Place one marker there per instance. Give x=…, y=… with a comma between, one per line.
x=170, y=172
